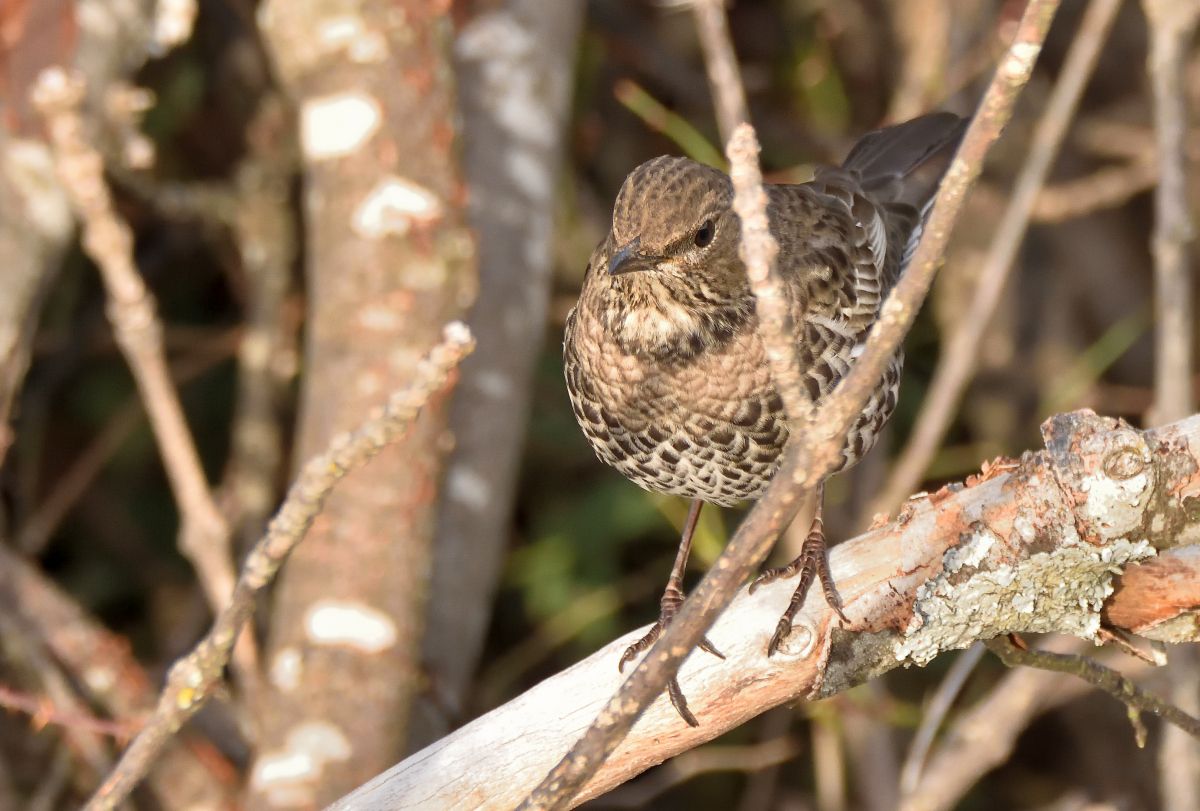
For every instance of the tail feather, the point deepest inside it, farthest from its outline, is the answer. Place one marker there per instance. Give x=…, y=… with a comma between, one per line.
x=905, y=163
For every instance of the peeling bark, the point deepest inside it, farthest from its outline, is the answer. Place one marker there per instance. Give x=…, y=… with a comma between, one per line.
x=389, y=261
x=1038, y=544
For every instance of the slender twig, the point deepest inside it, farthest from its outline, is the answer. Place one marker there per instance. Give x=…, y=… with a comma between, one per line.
x=923, y=28
x=1106, y=188
x=985, y=734
x=959, y=353
x=1172, y=24
x=759, y=251
x=42, y=711
x=935, y=713
x=724, y=76
x=815, y=453
x=1091, y=671
x=204, y=534
x=193, y=679
x=68, y=488
x=265, y=231
x=703, y=760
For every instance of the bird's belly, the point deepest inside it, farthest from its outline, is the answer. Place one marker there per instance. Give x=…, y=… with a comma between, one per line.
x=712, y=428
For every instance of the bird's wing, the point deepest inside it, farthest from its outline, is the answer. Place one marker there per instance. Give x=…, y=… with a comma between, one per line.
x=833, y=255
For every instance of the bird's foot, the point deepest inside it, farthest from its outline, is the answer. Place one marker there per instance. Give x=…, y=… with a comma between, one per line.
x=669, y=608
x=670, y=605
x=812, y=561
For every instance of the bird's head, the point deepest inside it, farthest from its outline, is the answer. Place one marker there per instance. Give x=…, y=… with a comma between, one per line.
x=668, y=279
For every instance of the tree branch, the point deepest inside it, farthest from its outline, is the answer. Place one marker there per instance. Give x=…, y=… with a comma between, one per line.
x=1035, y=546
x=816, y=451
x=193, y=679
x=955, y=366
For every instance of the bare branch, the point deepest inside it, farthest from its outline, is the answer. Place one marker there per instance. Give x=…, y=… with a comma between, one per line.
x=1172, y=24
x=935, y=713
x=193, y=679
x=1104, y=189
x=1030, y=548
x=759, y=251
x=724, y=76
x=959, y=353
x=204, y=535
x=43, y=711
x=1107, y=679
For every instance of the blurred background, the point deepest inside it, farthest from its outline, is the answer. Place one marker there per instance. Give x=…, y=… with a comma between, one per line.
x=507, y=552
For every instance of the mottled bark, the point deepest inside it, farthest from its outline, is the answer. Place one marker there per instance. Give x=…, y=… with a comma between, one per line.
x=389, y=261
x=514, y=69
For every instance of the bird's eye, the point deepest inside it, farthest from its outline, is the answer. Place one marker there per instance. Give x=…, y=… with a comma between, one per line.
x=704, y=236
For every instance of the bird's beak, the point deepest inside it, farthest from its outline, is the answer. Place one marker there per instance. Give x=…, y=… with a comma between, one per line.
x=629, y=259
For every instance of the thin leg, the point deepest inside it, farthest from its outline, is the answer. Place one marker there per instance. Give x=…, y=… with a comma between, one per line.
x=813, y=560
x=671, y=600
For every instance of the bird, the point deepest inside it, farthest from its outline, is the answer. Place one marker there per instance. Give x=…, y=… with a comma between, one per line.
x=667, y=373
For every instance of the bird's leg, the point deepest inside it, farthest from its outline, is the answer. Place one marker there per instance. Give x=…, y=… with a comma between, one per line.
x=671, y=600
x=812, y=560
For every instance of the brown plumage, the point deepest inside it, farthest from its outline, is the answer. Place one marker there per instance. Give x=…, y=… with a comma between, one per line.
x=666, y=371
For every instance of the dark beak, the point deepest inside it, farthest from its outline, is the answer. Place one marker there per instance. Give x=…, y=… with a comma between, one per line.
x=629, y=259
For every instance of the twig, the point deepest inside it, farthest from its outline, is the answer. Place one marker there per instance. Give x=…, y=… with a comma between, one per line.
x=1106, y=188
x=959, y=353
x=923, y=27
x=935, y=713
x=984, y=736
x=704, y=760
x=810, y=458
x=829, y=761
x=267, y=361
x=724, y=77
x=43, y=712
x=759, y=251
x=1091, y=671
x=103, y=665
x=37, y=530
x=204, y=535
x=1172, y=24
x=192, y=680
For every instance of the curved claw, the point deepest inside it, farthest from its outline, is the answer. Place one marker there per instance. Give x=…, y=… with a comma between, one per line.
x=679, y=702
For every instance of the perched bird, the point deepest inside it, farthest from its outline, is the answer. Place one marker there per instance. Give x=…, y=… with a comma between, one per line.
x=667, y=373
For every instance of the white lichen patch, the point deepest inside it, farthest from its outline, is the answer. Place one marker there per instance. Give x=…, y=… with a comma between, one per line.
x=348, y=32
x=1061, y=591
x=971, y=553
x=468, y=487
x=288, y=776
x=336, y=126
x=286, y=669
x=393, y=206
x=1114, y=507
x=353, y=624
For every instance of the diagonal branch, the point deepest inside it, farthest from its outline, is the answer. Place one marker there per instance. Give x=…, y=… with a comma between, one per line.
x=193, y=679
x=204, y=534
x=816, y=452
x=958, y=354
x=1027, y=547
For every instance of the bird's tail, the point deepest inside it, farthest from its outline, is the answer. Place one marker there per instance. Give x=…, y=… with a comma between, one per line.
x=905, y=163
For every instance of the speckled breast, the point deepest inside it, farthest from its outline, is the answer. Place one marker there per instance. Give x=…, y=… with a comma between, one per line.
x=711, y=428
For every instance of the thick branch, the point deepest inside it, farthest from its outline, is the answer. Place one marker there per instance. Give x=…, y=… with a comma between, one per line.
x=1034, y=546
